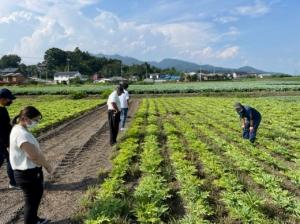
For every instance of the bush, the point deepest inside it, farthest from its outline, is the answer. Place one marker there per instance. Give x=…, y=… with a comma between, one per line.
x=105, y=93
x=78, y=95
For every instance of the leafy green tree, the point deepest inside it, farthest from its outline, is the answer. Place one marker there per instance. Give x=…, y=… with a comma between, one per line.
x=55, y=58
x=87, y=64
x=10, y=61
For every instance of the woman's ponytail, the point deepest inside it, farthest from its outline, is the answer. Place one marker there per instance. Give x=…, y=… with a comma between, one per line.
x=16, y=119
x=29, y=112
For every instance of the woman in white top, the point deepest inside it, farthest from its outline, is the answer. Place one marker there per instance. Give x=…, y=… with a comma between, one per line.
x=27, y=160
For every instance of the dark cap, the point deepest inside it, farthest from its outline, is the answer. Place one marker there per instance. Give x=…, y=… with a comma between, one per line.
x=238, y=105
x=6, y=93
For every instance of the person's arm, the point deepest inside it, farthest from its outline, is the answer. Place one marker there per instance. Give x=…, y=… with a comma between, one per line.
x=115, y=107
x=127, y=98
x=36, y=155
x=243, y=122
x=4, y=132
x=251, y=121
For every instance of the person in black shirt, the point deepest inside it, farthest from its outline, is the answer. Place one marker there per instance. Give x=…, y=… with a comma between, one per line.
x=250, y=118
x=6, y=98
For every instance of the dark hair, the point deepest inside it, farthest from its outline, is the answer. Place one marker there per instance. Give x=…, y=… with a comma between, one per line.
x=124, y=85
x=120, y=88
x=29, y=112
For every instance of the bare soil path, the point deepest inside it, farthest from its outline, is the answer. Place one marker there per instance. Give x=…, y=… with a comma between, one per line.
x=77, y=150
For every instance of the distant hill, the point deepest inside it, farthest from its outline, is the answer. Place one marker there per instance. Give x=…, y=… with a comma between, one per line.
x=249, y=69
x=181, y=65
x=125, y=60
x=177, y=64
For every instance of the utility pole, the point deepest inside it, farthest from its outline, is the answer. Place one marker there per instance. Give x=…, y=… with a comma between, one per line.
x=121, y=68
x=45, y=67
x=68, y=64
x=146, y=71
x=200, y=73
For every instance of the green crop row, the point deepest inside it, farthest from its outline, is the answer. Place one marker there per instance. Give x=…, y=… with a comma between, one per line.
x=109, y=202
x=245, y=206
x=161, y=88
x=55, y=109
x=217, y=176
x=152, y=192
x=191, y=187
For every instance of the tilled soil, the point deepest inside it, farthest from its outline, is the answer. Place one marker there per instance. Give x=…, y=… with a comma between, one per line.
x=77, y=151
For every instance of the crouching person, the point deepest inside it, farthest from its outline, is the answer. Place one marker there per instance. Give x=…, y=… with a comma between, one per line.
x=27, y=160
x=250, y=118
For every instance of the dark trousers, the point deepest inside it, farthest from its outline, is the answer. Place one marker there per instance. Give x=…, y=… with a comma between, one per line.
x=113, y=123
x=10, y=173
x=251, y=135
x=124, y=112
x=31, y=182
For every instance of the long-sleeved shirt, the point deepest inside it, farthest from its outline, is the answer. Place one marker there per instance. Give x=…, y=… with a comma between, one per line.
x=5, y=128
x=250, y=113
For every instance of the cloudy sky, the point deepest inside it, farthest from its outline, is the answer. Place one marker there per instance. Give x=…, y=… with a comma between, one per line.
x=232, y=33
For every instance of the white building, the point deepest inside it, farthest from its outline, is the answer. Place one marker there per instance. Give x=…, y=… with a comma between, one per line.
x=60, y=77
x=154, y=76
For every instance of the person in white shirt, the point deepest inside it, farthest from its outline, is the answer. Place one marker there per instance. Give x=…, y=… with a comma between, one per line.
x=27, y=160
x=114, y=107
x=124, y=100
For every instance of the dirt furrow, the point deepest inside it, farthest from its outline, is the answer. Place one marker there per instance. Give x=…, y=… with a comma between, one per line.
x=77, y=151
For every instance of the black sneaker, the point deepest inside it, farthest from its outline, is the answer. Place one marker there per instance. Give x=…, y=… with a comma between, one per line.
x=42, y=221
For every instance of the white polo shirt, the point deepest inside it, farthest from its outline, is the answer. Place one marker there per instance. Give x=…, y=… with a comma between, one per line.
x=123, y=99
x=19, y=160
x=113, y=98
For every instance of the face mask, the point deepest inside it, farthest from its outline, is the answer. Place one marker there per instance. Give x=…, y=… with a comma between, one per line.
x=32, y=125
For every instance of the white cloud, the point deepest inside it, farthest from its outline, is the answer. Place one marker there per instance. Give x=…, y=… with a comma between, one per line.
x=228, y=53
x=16, y=16
x=258, y=9
x=209, y=53
x=190, y=34
x=226, y=19
x=54, y=26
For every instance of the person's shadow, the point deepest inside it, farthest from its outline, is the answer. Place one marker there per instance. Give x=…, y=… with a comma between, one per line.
x=75, y=186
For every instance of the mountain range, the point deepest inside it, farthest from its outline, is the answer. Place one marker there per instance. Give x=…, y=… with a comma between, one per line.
x=182, y=65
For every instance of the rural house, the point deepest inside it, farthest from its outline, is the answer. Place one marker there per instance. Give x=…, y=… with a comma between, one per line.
x=61, y=77
x=11, y=76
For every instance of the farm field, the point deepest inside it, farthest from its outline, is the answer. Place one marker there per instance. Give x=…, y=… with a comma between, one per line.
x=183, y=161
x=55, y=109
x=76, y=149
x=288, y=84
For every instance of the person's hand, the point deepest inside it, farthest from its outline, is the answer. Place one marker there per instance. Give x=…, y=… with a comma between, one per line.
x=251, y=129
x=243, y=126
x=49, y=168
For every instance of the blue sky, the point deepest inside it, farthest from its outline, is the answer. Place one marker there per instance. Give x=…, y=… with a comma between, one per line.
x=232, y=33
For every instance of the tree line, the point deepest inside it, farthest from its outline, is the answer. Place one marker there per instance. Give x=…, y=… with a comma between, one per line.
x=58, y=60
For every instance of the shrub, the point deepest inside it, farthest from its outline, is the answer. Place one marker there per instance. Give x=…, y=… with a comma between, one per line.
x=105, y=93
x=78, y=95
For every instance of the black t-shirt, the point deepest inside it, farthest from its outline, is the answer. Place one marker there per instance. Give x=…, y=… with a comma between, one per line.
x=5, y=128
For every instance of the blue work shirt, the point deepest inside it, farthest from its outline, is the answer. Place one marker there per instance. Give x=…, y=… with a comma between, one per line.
x=250, y=114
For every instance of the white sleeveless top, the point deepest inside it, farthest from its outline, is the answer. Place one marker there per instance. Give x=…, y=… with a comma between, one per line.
x=19, y=160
